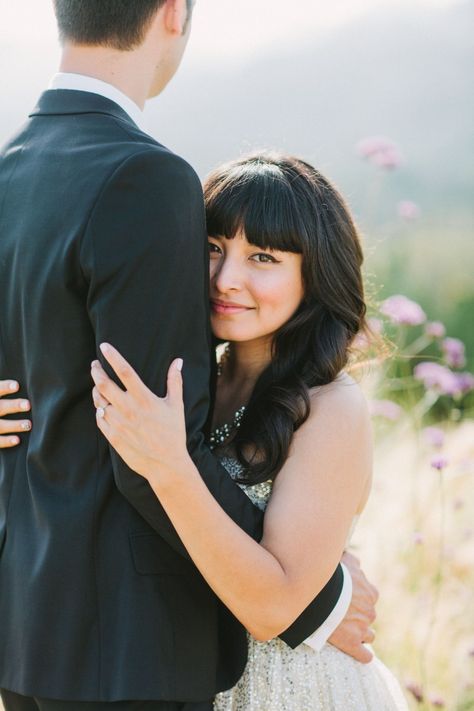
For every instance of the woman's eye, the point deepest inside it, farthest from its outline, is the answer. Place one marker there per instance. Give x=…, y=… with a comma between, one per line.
x=213, y=248
x=264, y=258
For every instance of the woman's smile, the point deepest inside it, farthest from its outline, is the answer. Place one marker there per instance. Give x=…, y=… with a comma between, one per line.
x=228, y=308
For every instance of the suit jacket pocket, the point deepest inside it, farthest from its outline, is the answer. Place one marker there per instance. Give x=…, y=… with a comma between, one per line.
x=153, y=556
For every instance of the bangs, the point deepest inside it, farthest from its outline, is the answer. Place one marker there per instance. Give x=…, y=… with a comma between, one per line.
x=256, y=199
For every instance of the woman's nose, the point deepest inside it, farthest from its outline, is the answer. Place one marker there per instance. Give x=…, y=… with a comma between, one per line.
x=228, y=276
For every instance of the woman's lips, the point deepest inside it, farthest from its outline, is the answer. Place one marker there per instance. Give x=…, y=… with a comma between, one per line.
x=222, y=307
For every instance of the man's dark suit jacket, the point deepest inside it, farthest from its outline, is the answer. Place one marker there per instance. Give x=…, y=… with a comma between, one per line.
x=102, y=238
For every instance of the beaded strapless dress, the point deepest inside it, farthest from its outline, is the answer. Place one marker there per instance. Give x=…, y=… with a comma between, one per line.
x=278, y=678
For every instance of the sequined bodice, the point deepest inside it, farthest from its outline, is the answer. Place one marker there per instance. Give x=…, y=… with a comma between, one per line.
x=258, y=494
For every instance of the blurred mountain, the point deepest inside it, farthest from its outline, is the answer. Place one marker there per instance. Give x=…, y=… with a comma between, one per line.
x=403, y=74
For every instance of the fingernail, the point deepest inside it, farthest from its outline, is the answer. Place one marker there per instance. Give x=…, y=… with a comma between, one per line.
x=14, y=440
x=24, y=405
x=13, y=386
x=105, y=348
x=26, y=425
x=95, y=363
x=179, y=364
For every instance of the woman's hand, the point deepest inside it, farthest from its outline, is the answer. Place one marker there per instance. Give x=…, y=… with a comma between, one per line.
x=9, y=406
x=147, y=431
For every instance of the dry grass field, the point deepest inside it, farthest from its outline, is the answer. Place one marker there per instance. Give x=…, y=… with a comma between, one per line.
x=416, y=540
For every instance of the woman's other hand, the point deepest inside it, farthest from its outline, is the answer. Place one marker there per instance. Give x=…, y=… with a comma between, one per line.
x=147, y=431
x=11, y=406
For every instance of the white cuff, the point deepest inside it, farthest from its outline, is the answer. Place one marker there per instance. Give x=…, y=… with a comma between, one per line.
x=318, y=639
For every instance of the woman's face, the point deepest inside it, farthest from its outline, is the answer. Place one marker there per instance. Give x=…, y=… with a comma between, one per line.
x=253, y=291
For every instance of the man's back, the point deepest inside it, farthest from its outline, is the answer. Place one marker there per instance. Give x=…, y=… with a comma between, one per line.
x=92, y=601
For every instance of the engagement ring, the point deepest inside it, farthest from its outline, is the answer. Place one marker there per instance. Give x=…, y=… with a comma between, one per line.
x=101, y=411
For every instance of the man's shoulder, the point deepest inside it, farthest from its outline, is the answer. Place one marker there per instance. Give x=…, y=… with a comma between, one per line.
x=137, y=147
x=154, y=163
x=156, y=155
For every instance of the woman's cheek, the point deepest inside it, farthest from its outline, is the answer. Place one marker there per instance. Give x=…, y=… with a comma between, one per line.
x=212, y=268
x=278, y=291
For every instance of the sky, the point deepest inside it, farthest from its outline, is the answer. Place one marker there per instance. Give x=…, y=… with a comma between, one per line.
x=226, y=29
x=225, y=33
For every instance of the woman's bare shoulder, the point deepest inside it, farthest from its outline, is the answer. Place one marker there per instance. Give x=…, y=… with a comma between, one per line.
x=334, y=445
x=343, y=397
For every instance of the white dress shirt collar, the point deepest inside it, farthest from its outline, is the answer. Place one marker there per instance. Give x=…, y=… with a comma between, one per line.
x=80, y=82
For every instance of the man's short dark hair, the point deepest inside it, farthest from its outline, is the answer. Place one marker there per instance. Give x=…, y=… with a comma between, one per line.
x=120, y=24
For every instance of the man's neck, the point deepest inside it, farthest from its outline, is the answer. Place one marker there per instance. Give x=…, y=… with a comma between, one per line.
x=126, y=71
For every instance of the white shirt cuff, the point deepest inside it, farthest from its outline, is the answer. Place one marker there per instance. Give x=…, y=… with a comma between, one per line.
x=318, y=639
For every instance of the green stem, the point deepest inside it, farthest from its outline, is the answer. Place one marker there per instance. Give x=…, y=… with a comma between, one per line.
x=424, y=673
x=418, y=345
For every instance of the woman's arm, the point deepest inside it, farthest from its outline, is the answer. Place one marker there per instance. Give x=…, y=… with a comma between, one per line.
x=12, y=406
x=315, y=496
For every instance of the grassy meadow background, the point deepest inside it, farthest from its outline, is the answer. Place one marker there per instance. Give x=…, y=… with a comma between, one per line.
x=263, y=74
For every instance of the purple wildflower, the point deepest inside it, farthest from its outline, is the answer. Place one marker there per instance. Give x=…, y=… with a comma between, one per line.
x=385, y=408
x=465, y=382
x=368, y=147
x=402, y=310
x=437, y=701
x=434, y=436
x=363, y=340
x=408, y=210
x=439, y=463
x=388, y=159
x=437, y=377
x=454, y=352
x=415, y=689
x=360, y=342
x=435, y=329
x=375, y=324
x=380, y=151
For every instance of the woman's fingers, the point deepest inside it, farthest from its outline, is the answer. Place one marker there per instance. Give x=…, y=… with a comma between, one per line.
x=122, y=369
x=108, y=424
x=98, y=400
x=7, y=442
x=175, y=381
x=10, y=426
x=369, y=636
x=9, y=406
x=106, y=386
x=7, y=387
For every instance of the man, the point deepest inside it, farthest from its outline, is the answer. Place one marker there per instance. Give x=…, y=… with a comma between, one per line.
x=101, y=226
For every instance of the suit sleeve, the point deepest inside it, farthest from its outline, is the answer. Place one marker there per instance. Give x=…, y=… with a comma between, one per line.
x=145, y=258
x=144, y=255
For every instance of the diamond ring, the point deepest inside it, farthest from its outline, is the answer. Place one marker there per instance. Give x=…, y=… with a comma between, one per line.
x=101, y=411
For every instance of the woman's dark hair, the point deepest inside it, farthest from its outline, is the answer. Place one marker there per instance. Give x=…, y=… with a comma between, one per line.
x=283, y=203
x=120, y=24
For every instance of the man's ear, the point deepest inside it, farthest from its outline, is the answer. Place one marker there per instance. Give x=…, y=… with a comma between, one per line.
x=176, y=16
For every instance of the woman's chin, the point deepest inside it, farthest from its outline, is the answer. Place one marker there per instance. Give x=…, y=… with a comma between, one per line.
x=223, y=333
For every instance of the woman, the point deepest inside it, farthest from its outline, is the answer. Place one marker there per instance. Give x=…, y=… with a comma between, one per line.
x=289, y=425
